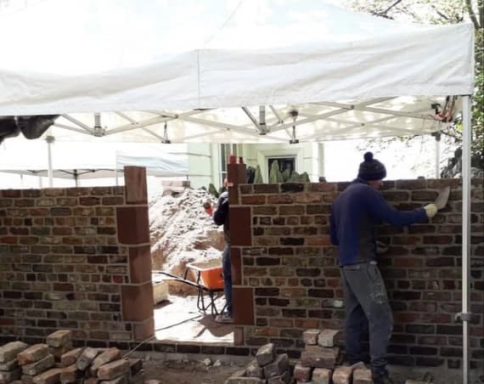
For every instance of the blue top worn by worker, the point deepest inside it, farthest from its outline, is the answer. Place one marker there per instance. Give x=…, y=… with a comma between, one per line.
x=221, y=217
x=355, y=215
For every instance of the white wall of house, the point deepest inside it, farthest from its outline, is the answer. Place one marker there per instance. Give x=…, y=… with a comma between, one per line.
x=204, y=160
x=203, y=163
x=308, y=157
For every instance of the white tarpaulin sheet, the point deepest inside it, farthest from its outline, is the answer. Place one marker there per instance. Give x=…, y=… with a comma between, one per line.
x=30, y=157
x=65, y=56
x=155, y=164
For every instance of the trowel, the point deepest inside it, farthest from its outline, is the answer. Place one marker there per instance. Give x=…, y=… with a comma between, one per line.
x=442, y=198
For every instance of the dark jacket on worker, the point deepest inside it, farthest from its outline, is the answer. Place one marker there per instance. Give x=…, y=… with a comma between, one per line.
x=221, y=214
x=355, y=214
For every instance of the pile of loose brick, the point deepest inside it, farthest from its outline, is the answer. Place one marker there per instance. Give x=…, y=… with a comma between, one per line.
x=267, y=368
x=57, y=361
x=319, y=362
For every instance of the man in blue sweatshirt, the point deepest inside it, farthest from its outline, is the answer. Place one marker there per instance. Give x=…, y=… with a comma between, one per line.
x=355, y=214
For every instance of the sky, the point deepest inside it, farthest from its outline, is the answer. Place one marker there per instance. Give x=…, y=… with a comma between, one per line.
x=402, y=161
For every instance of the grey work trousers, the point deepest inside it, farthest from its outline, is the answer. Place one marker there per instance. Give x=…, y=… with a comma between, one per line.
x=366, y=310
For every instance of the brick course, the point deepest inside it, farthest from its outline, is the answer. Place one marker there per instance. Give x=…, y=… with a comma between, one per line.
x=62, y=264
x=291, y=269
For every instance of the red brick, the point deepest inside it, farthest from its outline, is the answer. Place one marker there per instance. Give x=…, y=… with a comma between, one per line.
x=318, y=357
x=302, y=373
x=342, y=375
x=52, y=376
x=135, y=185
x=32, y=354
x=140, y=264
x=137, y=302
x=321, y=376
x=113, y=369
x=253, y=200
x=133, y=225
x=70, y=357
x=10, y=350
x=310, y=336
x=243, y=302
x=240, y=218
x=362, y=376
x=104, y=357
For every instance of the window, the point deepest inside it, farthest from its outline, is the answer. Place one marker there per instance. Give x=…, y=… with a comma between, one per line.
x=288, y=163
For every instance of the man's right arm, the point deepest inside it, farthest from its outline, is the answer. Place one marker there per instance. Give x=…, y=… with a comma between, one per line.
x=382, y=210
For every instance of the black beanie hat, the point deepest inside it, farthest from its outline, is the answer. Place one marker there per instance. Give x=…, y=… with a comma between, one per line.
x=371, y=169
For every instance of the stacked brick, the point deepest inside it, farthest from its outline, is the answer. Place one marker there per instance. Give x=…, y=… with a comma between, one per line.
x=9, y=369
x=56, y=362
x=267, y=368
x=320, y=358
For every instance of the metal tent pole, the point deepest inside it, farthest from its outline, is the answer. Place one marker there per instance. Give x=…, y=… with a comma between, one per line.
x=50, y=171
x=116, y=172
x=465, y=316
x=75, y=174
x=437, y=154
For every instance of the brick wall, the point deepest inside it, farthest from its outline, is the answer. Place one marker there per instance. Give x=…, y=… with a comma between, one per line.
x=80, y=259
x=76, y=258
x=287, y=279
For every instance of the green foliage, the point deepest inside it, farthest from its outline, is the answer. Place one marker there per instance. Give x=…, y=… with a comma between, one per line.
x=304, y=178
x=286, y=175
x=299, y=178
x=250, y=174
x=275, y=175
x=212, y=190
x=294, y=178
x=443, y=12
x=258, y=176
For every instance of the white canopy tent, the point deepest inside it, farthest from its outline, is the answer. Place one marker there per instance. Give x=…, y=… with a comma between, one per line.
x=232, y=71
x=194, y=64
x=68, y=160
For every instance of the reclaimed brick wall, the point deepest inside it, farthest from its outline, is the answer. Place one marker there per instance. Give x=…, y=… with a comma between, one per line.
x=79, y=259
x=287, y=279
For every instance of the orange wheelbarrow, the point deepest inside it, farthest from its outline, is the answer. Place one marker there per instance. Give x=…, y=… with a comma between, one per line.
x=209, y=282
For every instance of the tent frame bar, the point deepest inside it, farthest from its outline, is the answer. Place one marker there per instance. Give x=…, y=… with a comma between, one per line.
x=258, y=127
x=465, y=315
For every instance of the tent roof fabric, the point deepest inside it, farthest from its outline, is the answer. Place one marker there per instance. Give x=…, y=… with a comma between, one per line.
x=180, y=58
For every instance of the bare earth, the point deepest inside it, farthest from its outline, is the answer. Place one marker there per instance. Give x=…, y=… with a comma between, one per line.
x=187, y=372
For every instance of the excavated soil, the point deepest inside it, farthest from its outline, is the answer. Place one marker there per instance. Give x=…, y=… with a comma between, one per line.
x=182, y=232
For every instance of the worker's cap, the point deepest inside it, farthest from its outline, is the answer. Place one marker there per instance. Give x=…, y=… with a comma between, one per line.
x=371, y=169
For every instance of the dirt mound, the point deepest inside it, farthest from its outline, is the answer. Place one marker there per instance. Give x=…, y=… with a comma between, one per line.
x=182, y=232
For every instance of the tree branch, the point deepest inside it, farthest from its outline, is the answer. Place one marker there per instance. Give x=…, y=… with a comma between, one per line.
x=472, y=15
x=391, y=6
x=443, y=16
x=385, y=12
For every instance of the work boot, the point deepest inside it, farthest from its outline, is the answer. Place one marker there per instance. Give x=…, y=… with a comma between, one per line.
x=381, y=377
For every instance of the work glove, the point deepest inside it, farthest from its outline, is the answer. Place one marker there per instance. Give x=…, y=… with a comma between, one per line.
x=431, y=210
